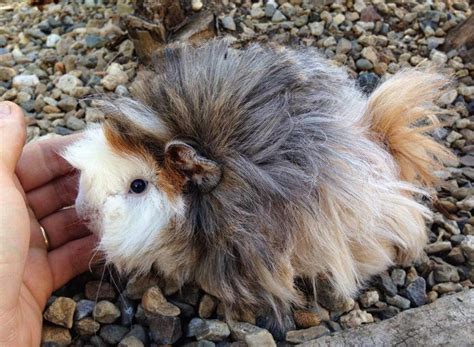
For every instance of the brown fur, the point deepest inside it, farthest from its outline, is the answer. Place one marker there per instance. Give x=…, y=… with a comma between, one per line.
x=400, y=113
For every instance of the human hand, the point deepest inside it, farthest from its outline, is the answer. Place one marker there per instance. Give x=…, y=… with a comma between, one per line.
x=35, y=188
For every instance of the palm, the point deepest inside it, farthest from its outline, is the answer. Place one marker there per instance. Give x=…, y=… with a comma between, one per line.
x=36, y=195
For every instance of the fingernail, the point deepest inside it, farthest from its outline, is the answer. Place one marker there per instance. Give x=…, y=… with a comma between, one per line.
x=5, y=109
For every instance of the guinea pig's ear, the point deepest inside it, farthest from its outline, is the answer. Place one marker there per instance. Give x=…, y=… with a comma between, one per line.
x=205, y=174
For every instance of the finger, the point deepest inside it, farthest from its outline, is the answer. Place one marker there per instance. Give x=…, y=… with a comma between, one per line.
x=12, y=134
x=14, y=222
x=63, y=226
x=72, y=259
x=59, y=193
x=42, y=162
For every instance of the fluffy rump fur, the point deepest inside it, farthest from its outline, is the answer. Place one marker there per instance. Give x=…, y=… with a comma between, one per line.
x=316, y=178
x=394, y=113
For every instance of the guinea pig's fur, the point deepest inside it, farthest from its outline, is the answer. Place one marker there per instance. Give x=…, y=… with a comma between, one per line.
x=264, y=165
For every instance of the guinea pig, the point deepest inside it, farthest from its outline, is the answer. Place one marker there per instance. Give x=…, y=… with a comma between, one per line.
x=243, y=170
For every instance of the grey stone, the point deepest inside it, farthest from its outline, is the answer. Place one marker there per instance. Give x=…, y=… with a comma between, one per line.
x=139, y=332
x=86, y=326
x=252, y=335
x=385, y=283
x=467, y=160
x=67, y=103
x=228, y=23
x=113, y=333
x=60, y=130
x=449, y=321
x=257, y=12
x=208, y=329
x=127, y=310
x=416, y=291
x=165, y=329
x=398, y=301
x=364, y=64
x=204, y=343
x=343, y=46
x=130, y=341
x=287, y=9
x=398, y=277
x=270, y=8
x=75, y=123
x=194, y=326
x=304, y=335
x=84, y=308
x=278, y=17
x=445, y=273
x=95, y=41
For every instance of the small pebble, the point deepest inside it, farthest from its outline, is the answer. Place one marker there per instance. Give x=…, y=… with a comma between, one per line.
x=61, y=312
x=106, y=312
x=305, y=335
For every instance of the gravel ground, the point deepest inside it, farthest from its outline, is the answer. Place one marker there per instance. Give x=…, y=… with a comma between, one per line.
x=51, y=60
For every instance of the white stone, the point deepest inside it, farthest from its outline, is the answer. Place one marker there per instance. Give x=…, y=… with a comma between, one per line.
x=196, y=5
x=115, y=76
x=22, y=81
x=338, y=19
x=316, y=28
x=52, y=40
x=438, y=57
x=448, y=97
x=68, y=83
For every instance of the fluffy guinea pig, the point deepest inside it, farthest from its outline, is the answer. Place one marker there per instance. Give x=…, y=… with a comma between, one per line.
x=243, y=170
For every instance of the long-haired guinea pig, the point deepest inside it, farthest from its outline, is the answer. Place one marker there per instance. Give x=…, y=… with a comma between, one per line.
x=243, y=170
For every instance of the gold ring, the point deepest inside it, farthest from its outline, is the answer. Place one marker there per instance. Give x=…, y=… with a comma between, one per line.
x=45, y=237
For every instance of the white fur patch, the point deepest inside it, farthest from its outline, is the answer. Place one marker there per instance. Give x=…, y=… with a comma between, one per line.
x=128, y=224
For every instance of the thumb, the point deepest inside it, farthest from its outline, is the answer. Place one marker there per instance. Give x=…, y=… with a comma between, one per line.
x=12, y=135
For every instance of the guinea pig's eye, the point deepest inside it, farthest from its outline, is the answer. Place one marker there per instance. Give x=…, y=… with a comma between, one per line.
x=138, y=186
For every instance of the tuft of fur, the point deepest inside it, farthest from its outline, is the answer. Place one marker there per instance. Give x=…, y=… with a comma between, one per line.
x=314, y=179
x=401, y=111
